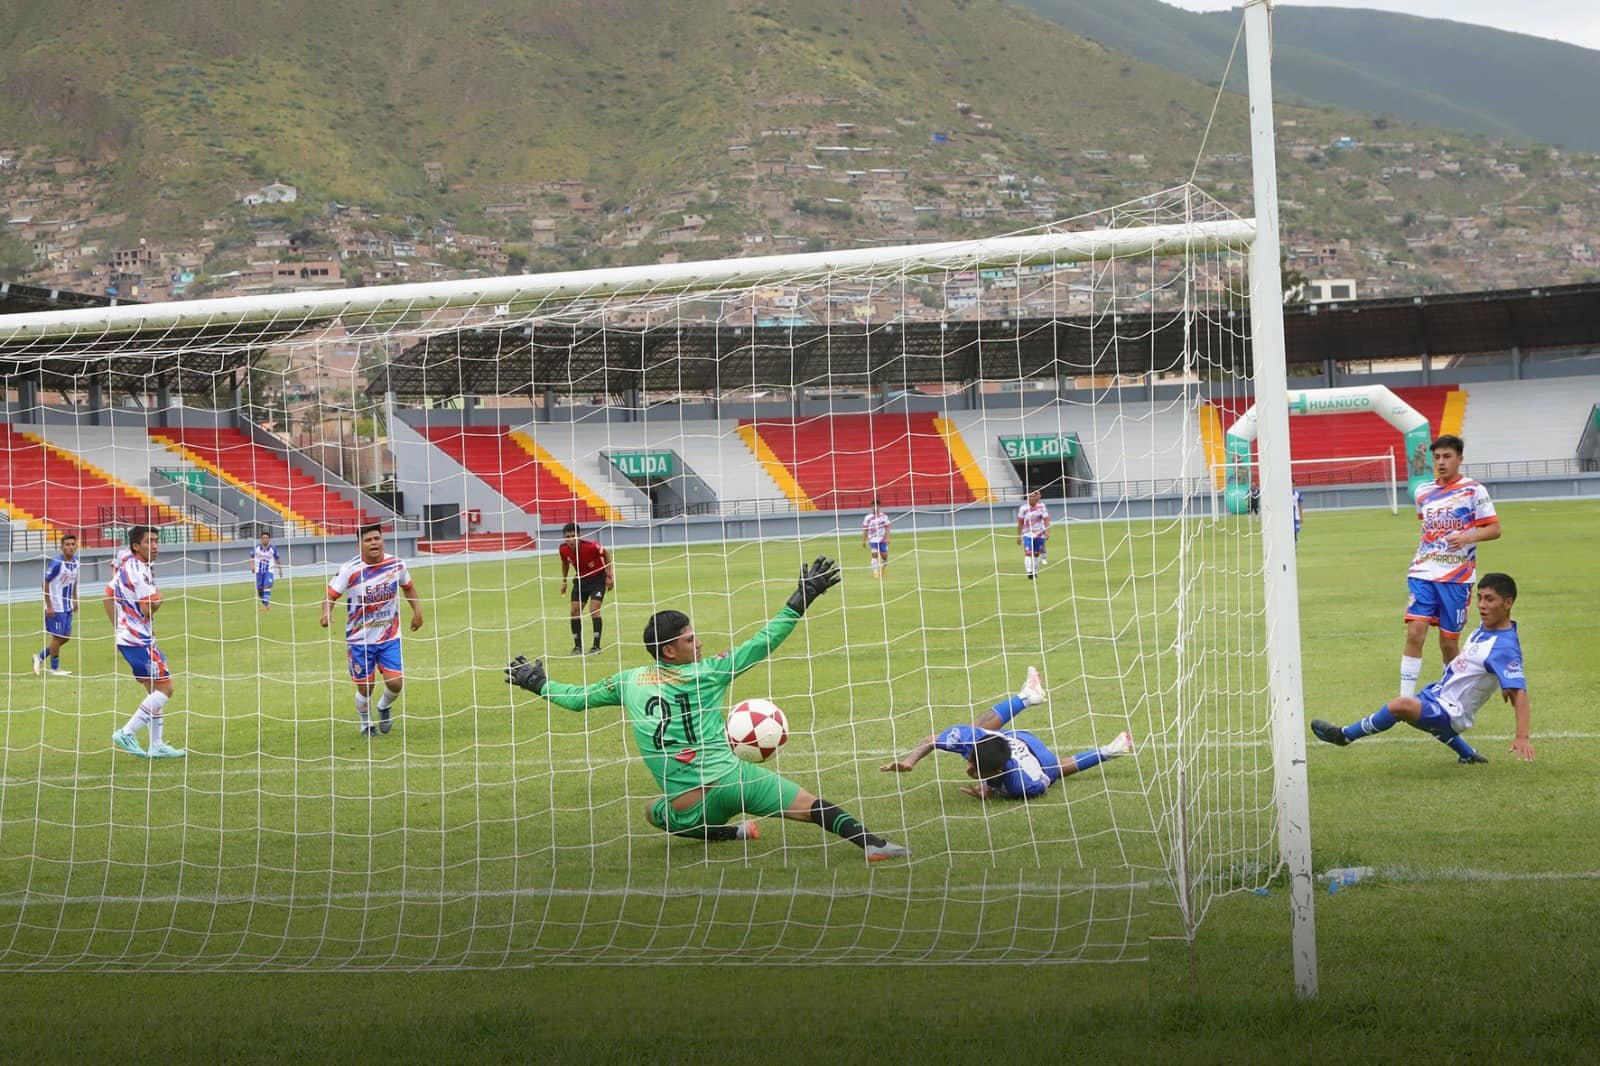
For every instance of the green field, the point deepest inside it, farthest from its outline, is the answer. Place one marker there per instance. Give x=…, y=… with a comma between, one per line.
x=488, y=831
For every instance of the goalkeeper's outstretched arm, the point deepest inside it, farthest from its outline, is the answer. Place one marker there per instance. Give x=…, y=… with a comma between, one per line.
x=531, y=676
x=816, y=577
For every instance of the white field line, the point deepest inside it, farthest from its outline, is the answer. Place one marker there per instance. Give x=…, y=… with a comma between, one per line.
x=201, y=765
x=932, y=890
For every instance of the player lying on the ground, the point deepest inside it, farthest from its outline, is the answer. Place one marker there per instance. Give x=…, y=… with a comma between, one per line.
x=675, y=707
x=1491, y=659
x=1009, y=762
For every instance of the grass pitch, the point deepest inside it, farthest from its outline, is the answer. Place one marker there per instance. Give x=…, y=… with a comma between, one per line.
x=488, y=829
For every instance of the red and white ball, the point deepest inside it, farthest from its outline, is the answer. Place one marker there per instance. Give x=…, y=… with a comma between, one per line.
x=756, y=730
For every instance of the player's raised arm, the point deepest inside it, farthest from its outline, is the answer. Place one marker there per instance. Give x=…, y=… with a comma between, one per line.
x=531, y=676
x=816, y=577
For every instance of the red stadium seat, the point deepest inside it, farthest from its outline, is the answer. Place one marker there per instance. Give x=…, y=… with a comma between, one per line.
x=843, y=462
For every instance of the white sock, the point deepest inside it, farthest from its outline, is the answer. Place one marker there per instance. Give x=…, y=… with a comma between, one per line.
x=137, y=722
x=1410, y=672
x=151, y=709
x=364, y=708
x=877, y=564
x=387, y=700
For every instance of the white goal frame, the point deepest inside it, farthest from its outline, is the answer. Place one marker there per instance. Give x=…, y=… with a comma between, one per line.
x=1219, y=472
x=43, y=334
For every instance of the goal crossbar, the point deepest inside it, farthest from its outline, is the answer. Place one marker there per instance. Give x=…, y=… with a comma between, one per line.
x=521, y=293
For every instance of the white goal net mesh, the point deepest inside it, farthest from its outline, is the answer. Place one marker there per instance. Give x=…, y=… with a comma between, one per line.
x=712, y=430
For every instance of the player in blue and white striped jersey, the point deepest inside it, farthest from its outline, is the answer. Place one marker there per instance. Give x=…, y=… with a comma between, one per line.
x=1009, y=762
x=266, y=565
x=1490, y=661
x=60, y=602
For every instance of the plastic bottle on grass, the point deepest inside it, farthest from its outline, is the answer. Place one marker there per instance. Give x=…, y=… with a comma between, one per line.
x=1345, y=876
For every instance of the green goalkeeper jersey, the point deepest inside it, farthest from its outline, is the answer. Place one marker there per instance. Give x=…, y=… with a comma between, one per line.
x=677, y=711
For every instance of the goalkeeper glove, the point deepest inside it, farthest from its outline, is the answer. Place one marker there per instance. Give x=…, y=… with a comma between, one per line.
x=524, y=674
x=815, y=579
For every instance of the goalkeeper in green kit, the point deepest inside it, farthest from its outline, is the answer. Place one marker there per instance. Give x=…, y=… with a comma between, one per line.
x=675, y=706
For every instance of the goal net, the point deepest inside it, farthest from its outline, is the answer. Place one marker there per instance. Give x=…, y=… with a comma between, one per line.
x=1343, y=476
x=712, y=426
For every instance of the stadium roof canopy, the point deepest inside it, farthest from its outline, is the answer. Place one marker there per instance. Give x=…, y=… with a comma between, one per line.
x=524, y=360
x=724, y=358
x=190, y=360
x=589, y=360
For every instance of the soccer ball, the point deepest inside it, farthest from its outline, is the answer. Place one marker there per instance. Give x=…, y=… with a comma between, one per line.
x=756, y=730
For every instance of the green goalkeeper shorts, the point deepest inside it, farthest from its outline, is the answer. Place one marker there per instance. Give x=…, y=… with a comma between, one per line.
x=753, y=790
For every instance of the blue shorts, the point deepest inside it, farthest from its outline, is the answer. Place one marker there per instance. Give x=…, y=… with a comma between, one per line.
x=1033, y=545
x=1435, y=719
x=148, y=663
x=1440, y=603
x=366, y=660
x=879, y=546
x=264, y=581
x=58, y=624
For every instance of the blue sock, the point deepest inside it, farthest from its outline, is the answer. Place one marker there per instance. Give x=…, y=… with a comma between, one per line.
x=1085, y=760
x=44, y=654
x=55, y=662
x=1376, y=722
x=1459, y=745
x=1009, y=708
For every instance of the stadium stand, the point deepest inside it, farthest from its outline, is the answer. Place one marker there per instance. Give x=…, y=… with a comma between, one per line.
x=1527, y=421
x=713, y=450
x=54, y=490
x=1133, y=441
x=264, y=474
x=843, y=462
x=507, y=462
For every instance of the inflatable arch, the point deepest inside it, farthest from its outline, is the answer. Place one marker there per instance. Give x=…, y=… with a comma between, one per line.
x=1375, y=398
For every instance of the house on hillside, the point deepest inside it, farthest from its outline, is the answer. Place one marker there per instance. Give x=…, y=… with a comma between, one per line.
x=272, y=193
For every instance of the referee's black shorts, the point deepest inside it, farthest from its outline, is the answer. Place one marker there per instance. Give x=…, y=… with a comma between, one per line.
x=592, y=587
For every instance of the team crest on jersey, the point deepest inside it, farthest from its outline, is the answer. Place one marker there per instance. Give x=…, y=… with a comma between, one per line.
x=1514, y=668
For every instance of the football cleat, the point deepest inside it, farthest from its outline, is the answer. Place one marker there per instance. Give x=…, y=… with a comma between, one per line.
x=367, y=729
x=1033, y=689
x=38, y=666
x=1328, y=733
x=1473, y=759
x=384, y=724
x=58, y=672
x=594, y=649
x=128, y=743
x=886, y=850
x=1121, y=744
x=577, y=649
x=166, y=751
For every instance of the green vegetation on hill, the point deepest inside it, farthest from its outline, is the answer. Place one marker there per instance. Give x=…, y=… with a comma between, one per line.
x=1431, y=71
x=631, y=96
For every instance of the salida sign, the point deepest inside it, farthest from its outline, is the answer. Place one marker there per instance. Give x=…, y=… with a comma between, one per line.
x=643, y=464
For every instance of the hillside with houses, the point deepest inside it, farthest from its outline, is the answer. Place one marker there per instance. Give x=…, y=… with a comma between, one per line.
x=948, y=122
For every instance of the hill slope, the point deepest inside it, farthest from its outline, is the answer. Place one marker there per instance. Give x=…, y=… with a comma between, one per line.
x=352, y=98
x=1430, y=71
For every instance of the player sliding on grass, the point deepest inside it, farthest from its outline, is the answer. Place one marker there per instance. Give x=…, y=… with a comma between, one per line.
x=1447, y=708
x=1009, y=762
x=675, y=706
